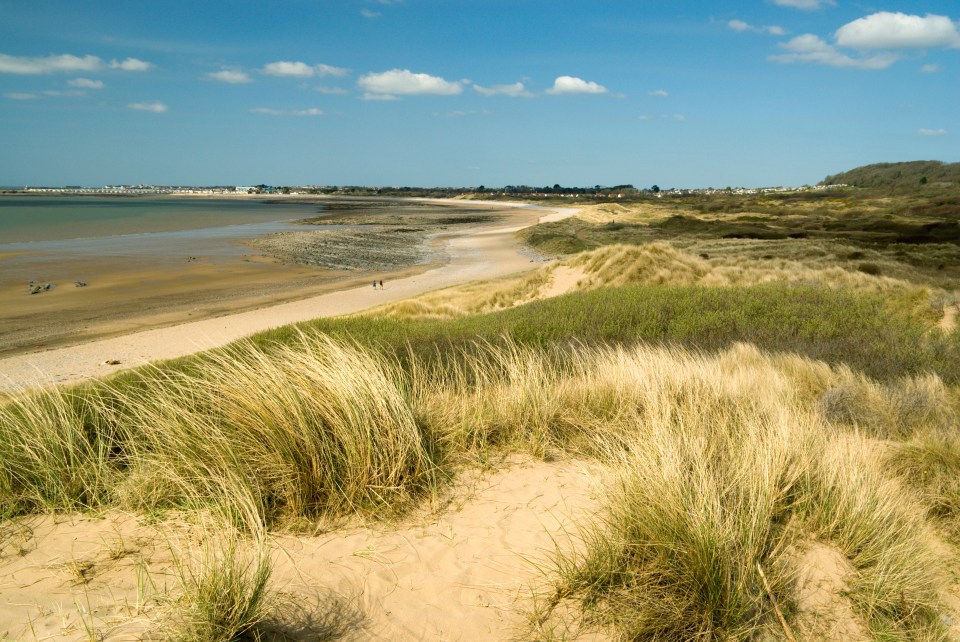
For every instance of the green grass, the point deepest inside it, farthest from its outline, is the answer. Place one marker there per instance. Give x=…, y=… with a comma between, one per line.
x=863, y=331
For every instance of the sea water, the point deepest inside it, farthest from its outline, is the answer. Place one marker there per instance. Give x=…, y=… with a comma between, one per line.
x=139, y=225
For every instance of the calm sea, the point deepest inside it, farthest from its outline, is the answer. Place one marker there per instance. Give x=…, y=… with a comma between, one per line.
x=122, y=225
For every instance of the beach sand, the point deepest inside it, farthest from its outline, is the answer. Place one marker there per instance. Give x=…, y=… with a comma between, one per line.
x=141, y=313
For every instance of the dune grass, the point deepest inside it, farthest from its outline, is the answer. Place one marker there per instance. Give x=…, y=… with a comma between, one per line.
x=312, y=427
x=835, y=423
x=223, y=591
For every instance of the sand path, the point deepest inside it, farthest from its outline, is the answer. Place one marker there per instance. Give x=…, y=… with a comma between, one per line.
x=473, y=254
x=464, y=573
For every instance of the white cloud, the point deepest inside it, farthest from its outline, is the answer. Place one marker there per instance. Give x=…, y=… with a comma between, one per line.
x=367, y=13
x=298, y=69
x=930, y=69
x=49, y=64
x=68, y=92
x=130, y=64
x=312, y=111
x=157, y=108
x=86, y=83
x=20, y=95
x=659, y=93
x=932, y=132
x=403, y=82
x=887, y=30
x=516, y=89
x=806, y=5
x=810, y=48
x=287, y=68
x=230, y=76
x=572, y=85
x=741, y=26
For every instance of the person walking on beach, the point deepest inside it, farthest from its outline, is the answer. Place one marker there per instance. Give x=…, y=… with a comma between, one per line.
x=381, y=284
x=374, y=284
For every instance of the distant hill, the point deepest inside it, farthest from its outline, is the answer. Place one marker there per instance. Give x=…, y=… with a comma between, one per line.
x=909, y=174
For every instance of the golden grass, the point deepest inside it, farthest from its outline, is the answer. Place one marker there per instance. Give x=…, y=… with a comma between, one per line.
x=717, y=464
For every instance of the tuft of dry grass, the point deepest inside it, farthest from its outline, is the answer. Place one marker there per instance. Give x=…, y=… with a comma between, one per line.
x=223, y=591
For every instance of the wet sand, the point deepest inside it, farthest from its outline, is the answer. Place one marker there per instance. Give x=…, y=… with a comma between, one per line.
x=131, y=295
x=146, y=313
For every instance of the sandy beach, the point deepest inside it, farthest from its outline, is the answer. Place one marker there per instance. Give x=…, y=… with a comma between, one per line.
x=71, y=334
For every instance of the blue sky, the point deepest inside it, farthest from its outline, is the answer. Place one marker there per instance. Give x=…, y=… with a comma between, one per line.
x=471, y=92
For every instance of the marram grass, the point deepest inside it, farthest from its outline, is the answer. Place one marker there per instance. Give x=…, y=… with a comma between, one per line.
x=718, y=463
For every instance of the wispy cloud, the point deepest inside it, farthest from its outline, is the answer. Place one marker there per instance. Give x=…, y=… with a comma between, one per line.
x=567, y=85
x=403, y=82
x=516, y=89
x=680, y=118
x=296, y=69
x=86, y=83
x=887, y=30
x=331, y=91
x=330, y=70
x=379, y=97
x=809, y=48
x=48, y=64
x=930, y=69
x=65, y=92
x=369, y=13
x=230, y=76
x=156, y=107
x=65, y=63
x=312, y=111
x=932, y=132
x=805, y=5
x=659, y=93
x=464, y=113
x=741, y=26
x=21, y=95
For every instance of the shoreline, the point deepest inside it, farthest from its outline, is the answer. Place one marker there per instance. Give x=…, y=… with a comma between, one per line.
x=479, y=252
x=103, y=286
